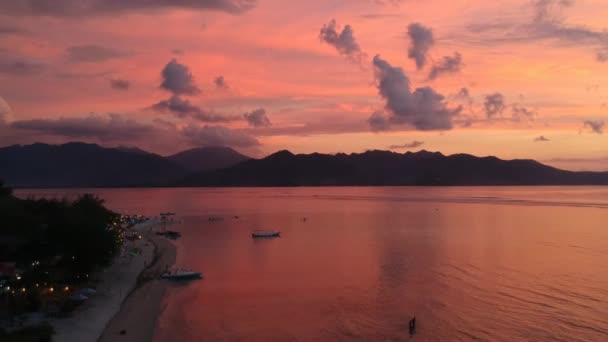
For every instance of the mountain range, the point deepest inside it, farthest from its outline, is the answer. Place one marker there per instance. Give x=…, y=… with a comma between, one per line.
x=88, y=165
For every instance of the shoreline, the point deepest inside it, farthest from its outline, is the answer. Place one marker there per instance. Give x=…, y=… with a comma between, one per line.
x=118, y=287
x=139, y=312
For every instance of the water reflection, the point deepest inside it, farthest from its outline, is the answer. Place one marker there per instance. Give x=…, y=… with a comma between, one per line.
x=471, y=263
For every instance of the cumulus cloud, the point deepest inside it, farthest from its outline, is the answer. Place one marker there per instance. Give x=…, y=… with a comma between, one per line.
x=92, y=53
x=105, y=128
x=119, y=84
x=178, y=79
x=412, y=144
x=449, y=64
x=220, y=82
x=218, y=136
x=344, y=42
x=541, y=138
x=182, y=108
x=378, y=121
x=423, y=108
x=75, y=8
x=257, y=118
x=421, y=40
x=595, y=126
x=494, y=104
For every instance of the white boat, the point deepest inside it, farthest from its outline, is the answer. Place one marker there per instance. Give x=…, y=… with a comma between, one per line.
x=265, y=234
x=182, y=274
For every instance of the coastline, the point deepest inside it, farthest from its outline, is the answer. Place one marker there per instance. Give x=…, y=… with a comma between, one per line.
x=123, y=294
x=140, y=310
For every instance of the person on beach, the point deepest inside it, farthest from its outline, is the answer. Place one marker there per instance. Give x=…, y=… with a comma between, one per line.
x=412, y=325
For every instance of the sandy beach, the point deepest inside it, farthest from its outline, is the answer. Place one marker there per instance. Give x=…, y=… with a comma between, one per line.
x=126, y=295
x=139, y=312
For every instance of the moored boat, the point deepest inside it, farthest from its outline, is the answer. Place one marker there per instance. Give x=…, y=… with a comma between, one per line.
x=171, y=234
x=182, y=274
x=265, y=234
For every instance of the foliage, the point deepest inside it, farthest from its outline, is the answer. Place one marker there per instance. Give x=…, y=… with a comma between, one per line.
x=38, y=333
x=71, y=237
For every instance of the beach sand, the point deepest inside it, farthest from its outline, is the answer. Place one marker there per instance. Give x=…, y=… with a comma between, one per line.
x=123, y=295
x=139, y=312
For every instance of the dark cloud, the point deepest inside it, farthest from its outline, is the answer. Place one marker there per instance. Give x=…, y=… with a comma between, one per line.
x=92, y=53
x=220, y=82
x=6, y=29
x=449, y=64
x=178, y=79
x=76, y=8
x=541, y=139
x=218, y=136
x=19, y=65
x=257, y=118
x=422, y=40
x=182, y=108
x=178, y=52
x=120, y=84
x=549, y=25
x=424, y=108
x=595, y=126
x=105, y=128
x=602, y=56
x=547, y=22
x=83, y=75
x=378, y=121
x=464, y=96
x=344, y=42
x=463, y=93
x=412, y=144
x=494, y=104
x=543, y=9
x=520, y=112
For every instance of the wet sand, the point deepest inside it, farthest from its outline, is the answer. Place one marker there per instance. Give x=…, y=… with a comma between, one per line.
x=139, y=312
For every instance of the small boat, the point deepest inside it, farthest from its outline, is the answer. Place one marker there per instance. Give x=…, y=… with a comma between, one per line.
x=265, y=234
x=78, y=297
x=171, y=234
x=182, y=274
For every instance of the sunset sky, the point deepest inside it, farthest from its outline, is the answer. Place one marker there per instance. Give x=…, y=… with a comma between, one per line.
x=515, y=79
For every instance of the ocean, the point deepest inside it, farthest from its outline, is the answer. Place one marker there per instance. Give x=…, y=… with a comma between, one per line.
x=357, y=263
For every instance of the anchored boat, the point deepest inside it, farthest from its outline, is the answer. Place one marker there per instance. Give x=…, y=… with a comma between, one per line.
x=182, y=274
x=265, y=234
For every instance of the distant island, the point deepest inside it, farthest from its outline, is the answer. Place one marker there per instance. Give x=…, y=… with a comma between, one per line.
x=90, y=165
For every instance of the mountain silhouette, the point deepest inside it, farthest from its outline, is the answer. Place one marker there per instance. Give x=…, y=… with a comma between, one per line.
x=89, y=165
x=208, y=158
x=383, y=168
x=83, y=165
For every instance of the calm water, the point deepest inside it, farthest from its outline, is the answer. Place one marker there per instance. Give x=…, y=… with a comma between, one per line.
x=491, y=264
